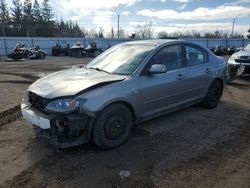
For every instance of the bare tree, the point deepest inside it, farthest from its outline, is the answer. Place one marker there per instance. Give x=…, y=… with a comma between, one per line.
x=144, y=31
x=163, y=35
x=122, y=33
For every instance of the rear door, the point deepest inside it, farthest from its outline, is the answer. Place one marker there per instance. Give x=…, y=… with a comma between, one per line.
x=199, y=71
x=161, y=92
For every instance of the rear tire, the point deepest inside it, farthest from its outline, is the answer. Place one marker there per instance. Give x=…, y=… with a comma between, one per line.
x=112, y=126
x=213, y=96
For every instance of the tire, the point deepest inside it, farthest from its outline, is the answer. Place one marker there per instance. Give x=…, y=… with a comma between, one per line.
x=42, y=55
x=213, y=96
x=112, y=126
x=56, y=53
x=29, y=53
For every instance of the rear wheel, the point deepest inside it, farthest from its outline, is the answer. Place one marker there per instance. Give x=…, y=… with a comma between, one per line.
x=213, y=96
x=112, y=126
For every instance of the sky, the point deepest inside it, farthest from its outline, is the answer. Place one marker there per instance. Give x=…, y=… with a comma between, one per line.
x=165, y=15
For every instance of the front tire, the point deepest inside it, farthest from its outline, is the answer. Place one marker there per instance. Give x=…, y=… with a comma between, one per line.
x=213, y=96
x=112, y=126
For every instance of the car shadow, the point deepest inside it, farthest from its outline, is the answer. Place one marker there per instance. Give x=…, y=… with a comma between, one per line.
x=242, y=81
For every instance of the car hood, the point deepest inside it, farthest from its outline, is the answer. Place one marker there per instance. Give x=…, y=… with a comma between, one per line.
x=71, y=81
x=242, y=53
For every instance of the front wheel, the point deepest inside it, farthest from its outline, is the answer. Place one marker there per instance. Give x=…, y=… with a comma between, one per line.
x=213, y=96
x=112, y=126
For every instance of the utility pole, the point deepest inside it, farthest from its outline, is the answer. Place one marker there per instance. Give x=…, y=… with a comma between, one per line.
x=232, y=34
x=118, y=27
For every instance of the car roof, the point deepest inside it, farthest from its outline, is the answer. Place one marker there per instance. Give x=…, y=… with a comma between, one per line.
x=159, y=42
x=151, y=42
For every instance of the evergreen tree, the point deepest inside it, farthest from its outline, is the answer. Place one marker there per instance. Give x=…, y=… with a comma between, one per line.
x=248, y=36
x=47, y=11
x=37, y=14
x=38, y=19
x=77, y=31
x=28, y=17
x=101, y=32
x=4, y=17
x=62, y=29
x=48, y=26
x=17, y=17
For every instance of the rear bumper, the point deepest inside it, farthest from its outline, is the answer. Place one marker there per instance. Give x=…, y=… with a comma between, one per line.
x=64, y=130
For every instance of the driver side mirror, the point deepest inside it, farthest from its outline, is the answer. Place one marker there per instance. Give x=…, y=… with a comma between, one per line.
x=157, y=69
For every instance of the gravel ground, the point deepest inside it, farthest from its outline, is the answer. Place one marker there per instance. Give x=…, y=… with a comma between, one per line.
x=192, y=147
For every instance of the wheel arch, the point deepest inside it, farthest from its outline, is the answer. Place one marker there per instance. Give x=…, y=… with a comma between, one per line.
x=125, y=103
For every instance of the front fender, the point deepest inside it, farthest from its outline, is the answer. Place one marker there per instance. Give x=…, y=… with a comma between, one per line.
x=123, y=92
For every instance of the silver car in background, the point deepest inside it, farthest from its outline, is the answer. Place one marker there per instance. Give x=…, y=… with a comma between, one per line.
x=239, y=63
x=129, y=83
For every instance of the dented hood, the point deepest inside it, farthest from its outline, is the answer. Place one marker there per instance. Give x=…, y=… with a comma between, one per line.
x=71, y=81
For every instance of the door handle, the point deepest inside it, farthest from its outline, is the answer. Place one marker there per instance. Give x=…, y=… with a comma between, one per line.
x=208, y=71
x=180, y=76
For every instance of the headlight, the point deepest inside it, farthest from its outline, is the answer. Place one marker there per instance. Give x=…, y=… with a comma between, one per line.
x=234, y=56
x=231, y=60
x=65, y=105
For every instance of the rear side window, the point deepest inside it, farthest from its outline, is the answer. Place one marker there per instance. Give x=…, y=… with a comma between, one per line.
x=195, y=55
x=169, y=56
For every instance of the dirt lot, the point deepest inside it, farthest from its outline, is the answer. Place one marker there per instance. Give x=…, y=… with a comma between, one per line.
x=193, y=147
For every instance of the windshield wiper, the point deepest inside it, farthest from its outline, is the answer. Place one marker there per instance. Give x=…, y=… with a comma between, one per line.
x=98, y=69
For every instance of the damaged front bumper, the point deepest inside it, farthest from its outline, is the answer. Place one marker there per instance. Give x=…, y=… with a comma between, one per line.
x=64, y=130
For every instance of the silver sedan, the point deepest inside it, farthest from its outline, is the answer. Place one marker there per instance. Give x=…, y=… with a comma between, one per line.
x=129, y=83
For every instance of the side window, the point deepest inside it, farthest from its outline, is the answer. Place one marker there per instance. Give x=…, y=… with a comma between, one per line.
x=195, y=55
x=170, y=56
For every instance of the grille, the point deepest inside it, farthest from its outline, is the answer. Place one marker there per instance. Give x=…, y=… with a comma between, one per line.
x=245, y=57
x=242, y=60
x=37, y=101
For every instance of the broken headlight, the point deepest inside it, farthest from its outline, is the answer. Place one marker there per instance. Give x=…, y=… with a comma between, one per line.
x=65, y=105
x=231, y=60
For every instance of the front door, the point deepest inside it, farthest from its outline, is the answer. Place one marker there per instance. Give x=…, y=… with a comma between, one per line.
x=160, y=92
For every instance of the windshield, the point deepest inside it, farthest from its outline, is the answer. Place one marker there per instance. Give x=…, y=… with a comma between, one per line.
x=247, y=48
x=122, y=59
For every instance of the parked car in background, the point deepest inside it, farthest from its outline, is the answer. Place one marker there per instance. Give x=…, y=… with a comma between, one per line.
x=19, y=52
x=36, y=53
x=76, y=50
x=231, y=50
x=220, y=50
x=239, y=63
x=22, y=51
x=58, y=50
x=129, y=83
x=92, y=50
